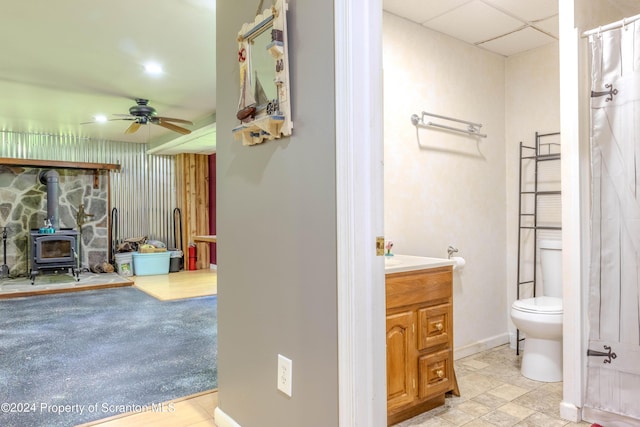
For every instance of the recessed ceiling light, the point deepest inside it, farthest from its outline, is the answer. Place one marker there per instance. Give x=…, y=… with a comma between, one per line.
x=100, y=118
x=153, y=68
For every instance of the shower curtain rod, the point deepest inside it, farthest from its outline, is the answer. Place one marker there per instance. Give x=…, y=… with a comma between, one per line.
x=612, y=26
x=472, y=128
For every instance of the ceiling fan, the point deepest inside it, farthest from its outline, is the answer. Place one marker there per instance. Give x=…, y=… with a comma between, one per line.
x=142, y=113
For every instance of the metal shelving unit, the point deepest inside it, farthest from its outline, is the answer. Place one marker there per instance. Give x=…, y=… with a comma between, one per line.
x=541, y=152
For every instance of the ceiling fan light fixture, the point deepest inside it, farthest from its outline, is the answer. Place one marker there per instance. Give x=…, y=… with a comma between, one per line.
x=100, y=118
x=153, y=68
x=142, y=114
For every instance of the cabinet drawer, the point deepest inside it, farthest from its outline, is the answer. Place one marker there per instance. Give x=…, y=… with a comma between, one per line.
x=434, y=326
x=418, y=287
x=435, y=374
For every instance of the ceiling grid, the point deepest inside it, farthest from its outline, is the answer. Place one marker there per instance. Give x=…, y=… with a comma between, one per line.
x=505, y=27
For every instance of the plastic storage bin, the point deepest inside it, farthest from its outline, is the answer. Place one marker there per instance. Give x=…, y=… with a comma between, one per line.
x=124, y=264
x=152, y=263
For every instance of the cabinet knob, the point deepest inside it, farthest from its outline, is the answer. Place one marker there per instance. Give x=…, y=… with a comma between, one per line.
x=439, y=326
x=440, y=373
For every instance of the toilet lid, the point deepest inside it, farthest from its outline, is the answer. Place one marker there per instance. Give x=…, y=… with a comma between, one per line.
x=550, y=305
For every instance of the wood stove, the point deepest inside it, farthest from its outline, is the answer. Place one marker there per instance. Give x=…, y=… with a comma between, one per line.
x=55, y=251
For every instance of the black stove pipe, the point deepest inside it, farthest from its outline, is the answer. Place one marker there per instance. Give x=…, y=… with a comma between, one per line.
x=51, y=179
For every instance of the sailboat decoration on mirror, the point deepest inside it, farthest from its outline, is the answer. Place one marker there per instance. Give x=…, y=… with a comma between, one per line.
x=264, y=108
x=247, y=103
x=260, y=96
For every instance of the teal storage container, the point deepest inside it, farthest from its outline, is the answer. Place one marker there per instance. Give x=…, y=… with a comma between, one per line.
x=151, y=263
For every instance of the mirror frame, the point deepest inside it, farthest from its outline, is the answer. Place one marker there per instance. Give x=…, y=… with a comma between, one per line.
x=274, y=120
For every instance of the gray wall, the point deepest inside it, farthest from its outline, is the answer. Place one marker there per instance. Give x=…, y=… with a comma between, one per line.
x=276, y=227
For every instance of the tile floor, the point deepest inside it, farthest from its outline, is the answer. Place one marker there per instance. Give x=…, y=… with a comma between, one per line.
x=493, y=393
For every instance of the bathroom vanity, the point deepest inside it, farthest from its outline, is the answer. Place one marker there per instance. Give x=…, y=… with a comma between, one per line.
x=419, y=303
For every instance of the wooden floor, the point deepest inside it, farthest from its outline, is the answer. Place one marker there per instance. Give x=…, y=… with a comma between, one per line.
x=193, y=411
x=179, y=285
x=59, y=283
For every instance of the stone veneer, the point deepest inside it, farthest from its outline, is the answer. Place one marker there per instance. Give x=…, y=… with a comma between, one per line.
x=23, y=206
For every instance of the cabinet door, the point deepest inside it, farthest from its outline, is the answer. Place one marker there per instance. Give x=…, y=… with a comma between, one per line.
x=401, y=359
x=435, y=374
x=434, y=326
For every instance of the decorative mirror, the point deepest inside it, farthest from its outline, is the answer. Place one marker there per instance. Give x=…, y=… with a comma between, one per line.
x=264, y=108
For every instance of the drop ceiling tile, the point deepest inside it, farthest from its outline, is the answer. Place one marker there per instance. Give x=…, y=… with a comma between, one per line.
x=550, y=25
x=520, y=41
x=420, y=11
x=528, y=10
x=474, y=22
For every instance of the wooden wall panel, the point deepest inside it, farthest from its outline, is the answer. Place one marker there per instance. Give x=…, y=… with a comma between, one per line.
x=192, y=186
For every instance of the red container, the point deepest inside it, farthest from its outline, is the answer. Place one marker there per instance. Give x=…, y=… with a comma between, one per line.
x=193, y=257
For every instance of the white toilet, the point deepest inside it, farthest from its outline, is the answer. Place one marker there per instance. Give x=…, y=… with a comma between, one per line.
x=540, y=319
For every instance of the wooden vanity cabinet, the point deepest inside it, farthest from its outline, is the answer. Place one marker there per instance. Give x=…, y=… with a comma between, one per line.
x=419, y=341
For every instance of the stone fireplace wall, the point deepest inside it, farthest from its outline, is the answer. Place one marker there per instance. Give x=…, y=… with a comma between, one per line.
x=23, y=206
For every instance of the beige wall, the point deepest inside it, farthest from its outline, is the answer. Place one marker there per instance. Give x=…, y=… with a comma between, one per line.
x=443, y=188
x=590, y=14
x=532, y=87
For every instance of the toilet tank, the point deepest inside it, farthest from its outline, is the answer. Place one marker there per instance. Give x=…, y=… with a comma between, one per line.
x=551, y=266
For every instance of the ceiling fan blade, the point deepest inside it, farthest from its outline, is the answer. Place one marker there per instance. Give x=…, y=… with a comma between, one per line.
x=172, y=127
x=126, y=116
x=132, y=128
x=108, y=120
x=171, y=119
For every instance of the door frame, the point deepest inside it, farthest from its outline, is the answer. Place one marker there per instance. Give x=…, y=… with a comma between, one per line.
x=362, y=396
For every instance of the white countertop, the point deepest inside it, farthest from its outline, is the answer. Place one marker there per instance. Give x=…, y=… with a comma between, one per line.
x=401, y=263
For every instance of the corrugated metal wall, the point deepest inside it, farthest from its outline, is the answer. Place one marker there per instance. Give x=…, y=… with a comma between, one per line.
x=143, y=191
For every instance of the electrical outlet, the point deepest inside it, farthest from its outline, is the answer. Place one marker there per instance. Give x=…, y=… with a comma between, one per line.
x=285, y=374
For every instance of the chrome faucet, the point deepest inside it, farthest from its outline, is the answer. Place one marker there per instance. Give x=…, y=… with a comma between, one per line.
x=451, y=250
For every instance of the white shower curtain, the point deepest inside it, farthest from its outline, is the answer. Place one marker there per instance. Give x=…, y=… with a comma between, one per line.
x=613, y=368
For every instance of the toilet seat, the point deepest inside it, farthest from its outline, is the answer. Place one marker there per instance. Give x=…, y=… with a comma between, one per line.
x=541, y=305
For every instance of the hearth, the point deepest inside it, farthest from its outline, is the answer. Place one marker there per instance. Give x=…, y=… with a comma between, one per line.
x=55, y=251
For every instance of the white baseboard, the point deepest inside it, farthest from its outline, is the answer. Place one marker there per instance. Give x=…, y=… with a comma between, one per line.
x=213, y=266
x=512, y=339
x=223, y=420
x=570, y=412
x=608, y=419
x=478, y=346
